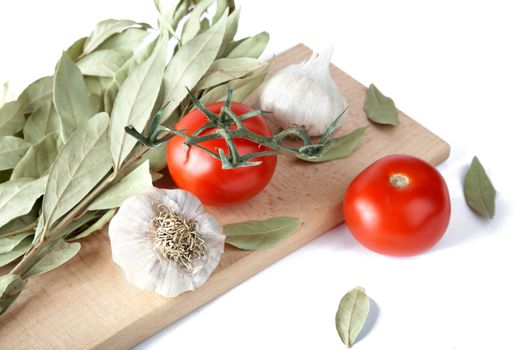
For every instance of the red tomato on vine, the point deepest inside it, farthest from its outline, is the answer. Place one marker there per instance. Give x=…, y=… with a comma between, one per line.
x=197, y=171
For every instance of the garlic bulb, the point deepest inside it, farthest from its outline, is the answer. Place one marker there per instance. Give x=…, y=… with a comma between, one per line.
x=165, y=241
x=304, y=95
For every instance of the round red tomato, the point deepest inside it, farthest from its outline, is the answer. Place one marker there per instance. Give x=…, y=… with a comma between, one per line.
x=399, y=205
x=196, y=171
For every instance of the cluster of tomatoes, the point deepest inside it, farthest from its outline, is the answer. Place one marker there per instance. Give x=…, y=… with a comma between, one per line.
x=399, y=205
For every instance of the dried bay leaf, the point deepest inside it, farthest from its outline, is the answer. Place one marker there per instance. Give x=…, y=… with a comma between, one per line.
x=351, y=315
x=225, y=69
x=38, y=159
x=128, y=40
x=134, y=102
x=222, y=6
x=156, y=157
x=248, y=47
x=81, y=163
x=104, y=30
x=36, y=94
x=170, y=13
x=379, y=108
x=61, y=253
x=42, y=122
x=76, y=49
x=70, y=97
x=10, y=287
x=96, y=226
x=8, y=243
x=12, y=149
x=11, y=118
x=338, y=148
x=137, y=181
x=255, y=235
x=241, y=89
x=479, y=192
x=22, y=223
x=232, y=24
x=190, y=63
x=19, y=250
x=104, y=63
x=18, y=196
x=192, y=25
x=113, y=87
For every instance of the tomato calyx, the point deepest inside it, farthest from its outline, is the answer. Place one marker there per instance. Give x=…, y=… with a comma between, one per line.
x=399, y=180
x=228, y=126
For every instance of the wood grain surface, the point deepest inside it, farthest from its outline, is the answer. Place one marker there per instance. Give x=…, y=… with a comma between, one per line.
x=87, y=302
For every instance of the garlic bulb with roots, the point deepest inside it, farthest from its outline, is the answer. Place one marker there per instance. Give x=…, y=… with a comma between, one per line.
x=165, y=241
x=304, y=95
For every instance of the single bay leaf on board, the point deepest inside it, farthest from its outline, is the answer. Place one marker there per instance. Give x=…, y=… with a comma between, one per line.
x=379, y=108
x=351, y=315
x=70, y=97
x=255, y=235
x=479, y=191
x=137, y=181
x=43, y=121
x=81, y=163
x=190, y=63
x=12, y=149
x=38, y=158
x=338, y=148
x=134, y=102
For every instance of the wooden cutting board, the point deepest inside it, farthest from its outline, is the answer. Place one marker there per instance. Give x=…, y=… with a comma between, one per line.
x=87, y=303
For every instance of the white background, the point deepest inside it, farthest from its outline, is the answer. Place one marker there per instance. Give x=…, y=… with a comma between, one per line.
x=457, y=67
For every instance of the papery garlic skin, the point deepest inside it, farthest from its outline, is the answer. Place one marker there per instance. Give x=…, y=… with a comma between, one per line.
x=304, y=95
x=133, y=249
